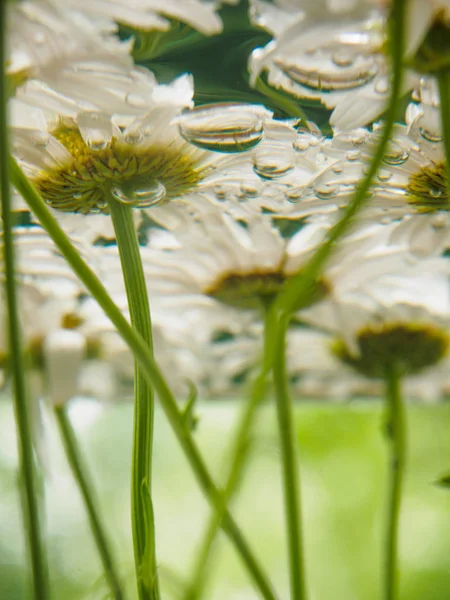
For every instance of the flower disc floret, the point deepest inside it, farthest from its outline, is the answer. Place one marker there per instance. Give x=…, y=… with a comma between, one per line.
x=428, y=189
x=411, y=347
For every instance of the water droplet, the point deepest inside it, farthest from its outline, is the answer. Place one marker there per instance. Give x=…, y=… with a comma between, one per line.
x=272, y=168
x=396, y=157
x=325, y=190
x=136, y=101
x=353, y=155
x=348, y=77
x=301, y=144
x=133, y=137
x=436, y=192
x=96, y=129
x=381, y=85
x=384, y=175
x=40, y=139
x=249, y=190
x=342, y=58
x=294, y=195
x=140, y=196
x=430, y=136
x=337, y=168
x=223, y=127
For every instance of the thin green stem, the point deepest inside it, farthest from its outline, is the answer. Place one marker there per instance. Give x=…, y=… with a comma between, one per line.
x=87, y=493
x=443, y=78
x=153, y=375
x=302, y=286
x=142, y=517
x=397, y=460
x=291, y=483
x=27, y=465
x=237, y=457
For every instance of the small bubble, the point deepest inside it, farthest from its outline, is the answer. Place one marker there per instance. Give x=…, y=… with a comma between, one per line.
x=40, y=139
x=343, y=59
x=133, y=137
x=301, y=144
x=381, y=85
x=268, y=169
x=430, y=136
x=95, y=128
x=325, y=190
x=436, y=192
x=384, y=175
x=353, y=155
x=396, y=157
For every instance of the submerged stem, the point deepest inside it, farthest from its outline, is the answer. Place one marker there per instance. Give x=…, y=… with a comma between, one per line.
x=397, y=460
x=88, y=495
x=143, y=355
x=291, y=484
x=27, y=464
x=237, y=457
x=443, y=78
x=302, y=286
x=142, y=519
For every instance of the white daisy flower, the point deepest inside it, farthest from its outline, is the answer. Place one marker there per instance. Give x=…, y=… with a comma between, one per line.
x=332, y=53
x=98, y=127
x=43, y=36
x=402, y=318
x=150, y=15
x=411, y=183
x=214, y=271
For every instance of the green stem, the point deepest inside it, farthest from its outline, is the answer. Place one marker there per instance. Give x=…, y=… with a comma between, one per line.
x=87, y=493
x=444, y=92
x=291, y=484
x=143, y=523
x=237, y=457
x=27, y=465
x=397, y=450
x=153, y=375
x=301, y=287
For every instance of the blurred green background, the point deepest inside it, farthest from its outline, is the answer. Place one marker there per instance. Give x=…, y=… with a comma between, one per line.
x=343, y=473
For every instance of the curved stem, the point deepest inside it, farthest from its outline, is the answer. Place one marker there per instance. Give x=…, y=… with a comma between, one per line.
x=291, y=484
x=444, y=92
x=142, y=354
x=142, y=519
x=397, y=459
x=87, y=493
x=237, y=457
x=27, y=465
x=301, y=286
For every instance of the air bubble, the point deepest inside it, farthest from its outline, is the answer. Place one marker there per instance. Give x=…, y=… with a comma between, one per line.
x=223, y=128
x=140, y=196
x=96, y=129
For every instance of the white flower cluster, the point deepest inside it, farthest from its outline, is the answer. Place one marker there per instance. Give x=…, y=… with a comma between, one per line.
x=232, y=201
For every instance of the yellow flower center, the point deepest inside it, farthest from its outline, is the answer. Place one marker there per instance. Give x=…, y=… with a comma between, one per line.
x=251, y=290
x=428, y=189
x=411, y=347
x=138, y=175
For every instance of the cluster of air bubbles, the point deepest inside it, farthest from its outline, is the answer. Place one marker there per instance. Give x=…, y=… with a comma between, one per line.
x=229, y=128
